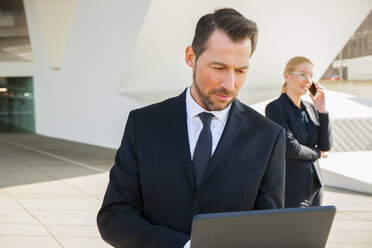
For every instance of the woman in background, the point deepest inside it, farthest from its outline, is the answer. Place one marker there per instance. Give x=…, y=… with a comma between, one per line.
x=308, y=133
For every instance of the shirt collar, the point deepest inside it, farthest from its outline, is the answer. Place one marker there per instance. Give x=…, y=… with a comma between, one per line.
x=193, y=108
x=292, y=103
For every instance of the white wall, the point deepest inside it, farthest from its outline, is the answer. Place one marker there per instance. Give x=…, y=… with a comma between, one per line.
x=56, y=18
x=16, y=69
x=317, y=29
x=80, y=101
x=121, y=51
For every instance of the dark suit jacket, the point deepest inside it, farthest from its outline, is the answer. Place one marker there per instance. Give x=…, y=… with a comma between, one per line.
x=301, y=157
x=151, y=199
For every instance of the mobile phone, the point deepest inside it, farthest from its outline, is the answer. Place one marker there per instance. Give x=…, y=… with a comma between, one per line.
x=312, y=89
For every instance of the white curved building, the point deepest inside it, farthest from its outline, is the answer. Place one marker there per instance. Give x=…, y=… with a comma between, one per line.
x=94, y=61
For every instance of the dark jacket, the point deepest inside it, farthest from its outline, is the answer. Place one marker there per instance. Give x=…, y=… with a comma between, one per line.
x=301, y=154
x=151, y=199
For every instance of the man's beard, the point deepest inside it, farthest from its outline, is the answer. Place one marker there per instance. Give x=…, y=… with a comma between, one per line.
x=206, y=98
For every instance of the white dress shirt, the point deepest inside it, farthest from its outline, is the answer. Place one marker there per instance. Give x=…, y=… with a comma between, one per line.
x=195, y=125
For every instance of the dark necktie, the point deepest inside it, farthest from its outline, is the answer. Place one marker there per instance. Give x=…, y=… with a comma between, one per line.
x=203, y=148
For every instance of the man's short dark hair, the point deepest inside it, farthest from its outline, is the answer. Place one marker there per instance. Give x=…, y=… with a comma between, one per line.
x=237, y=27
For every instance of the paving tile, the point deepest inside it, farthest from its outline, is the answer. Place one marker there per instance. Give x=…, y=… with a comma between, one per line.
x=62, y=205
x=9, y=204
x=363, y=215
x=350, y=237
x=67, y=220
x=40, y=195
x=13, y=212
x=72, y=201
x=94, y=185
x=22, y=230
x=354, y=207
x=350, y=245
x=66, y=198
x=83, y=242
x=342, y=216
x=73, y=231
x=29, y=242
x=26, y=219
x=351, y=196
x=48, y=188
x=64, y=212
x=353, y=225
x=3, y=195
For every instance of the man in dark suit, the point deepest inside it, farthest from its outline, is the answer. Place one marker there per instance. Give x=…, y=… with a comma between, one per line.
x=200, y=152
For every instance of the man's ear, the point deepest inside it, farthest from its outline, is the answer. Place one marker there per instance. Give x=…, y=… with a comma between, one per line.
x=190, y=57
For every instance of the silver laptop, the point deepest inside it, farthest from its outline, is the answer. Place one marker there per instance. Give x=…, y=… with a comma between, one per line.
x=287, y=228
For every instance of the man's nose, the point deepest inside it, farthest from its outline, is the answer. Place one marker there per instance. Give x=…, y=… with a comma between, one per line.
x=229, y=81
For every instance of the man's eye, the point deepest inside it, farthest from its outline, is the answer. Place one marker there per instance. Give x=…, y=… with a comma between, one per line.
x=218, y=68
x=241, y=71
x=302, y=75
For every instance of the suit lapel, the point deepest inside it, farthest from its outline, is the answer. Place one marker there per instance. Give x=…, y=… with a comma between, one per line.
x=178, y=120
x=311, y=113
x=292, y=117
x=230, y=132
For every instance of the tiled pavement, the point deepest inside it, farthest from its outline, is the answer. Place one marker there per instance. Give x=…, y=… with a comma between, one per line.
x=51, y=190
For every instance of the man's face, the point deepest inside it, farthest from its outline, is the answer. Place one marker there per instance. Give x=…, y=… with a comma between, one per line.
x=219, y=72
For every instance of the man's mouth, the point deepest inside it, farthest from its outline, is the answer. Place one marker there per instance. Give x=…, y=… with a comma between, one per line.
x=223, y=98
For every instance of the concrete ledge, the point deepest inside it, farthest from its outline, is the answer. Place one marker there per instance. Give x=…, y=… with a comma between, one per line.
x=348, y=170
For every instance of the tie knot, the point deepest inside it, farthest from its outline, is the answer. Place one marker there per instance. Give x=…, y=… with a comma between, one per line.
x=206, y=118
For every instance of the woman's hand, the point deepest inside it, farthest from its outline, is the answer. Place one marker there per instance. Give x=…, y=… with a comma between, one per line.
x=319, y=102
x=323, y=154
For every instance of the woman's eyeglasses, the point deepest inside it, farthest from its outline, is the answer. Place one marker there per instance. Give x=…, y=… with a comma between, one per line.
x=303, y=75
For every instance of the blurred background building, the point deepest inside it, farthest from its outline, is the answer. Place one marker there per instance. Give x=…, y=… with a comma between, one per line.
x=73, y=69
x=354, y=61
